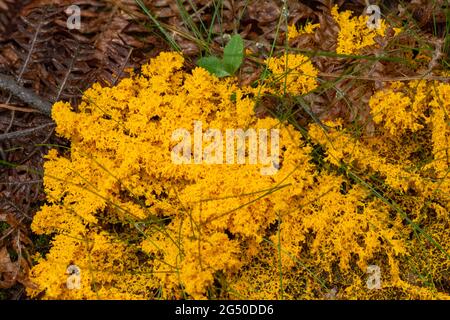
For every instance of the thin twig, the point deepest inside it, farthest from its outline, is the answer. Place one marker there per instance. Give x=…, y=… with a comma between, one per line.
x=124, y=64
x=26, y=95
x=69, y=71
x=13, y=116
x=15, y=108
x=49, y=135
x=31, y=51
x=26, y=132
x=22, y=71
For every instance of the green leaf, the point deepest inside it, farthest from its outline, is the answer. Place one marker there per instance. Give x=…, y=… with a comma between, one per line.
x=233, y=54
x=214, y=65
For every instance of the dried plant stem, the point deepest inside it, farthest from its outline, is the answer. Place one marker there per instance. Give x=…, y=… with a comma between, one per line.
x=22, y=133
x=9, y=84
x=15, y=108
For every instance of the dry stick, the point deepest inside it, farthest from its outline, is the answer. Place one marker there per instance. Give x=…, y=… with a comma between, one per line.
x=22, y=70
x=36, y=149
x=22, y=133
x=69, y=71
x=26, y=95
x=124, y=64
x=15, y=108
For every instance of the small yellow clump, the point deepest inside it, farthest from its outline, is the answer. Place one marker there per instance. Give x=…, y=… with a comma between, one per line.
x=354, y=33
x=400, y=108
x=293, y=73
x=293, y=32
x=407, y=108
